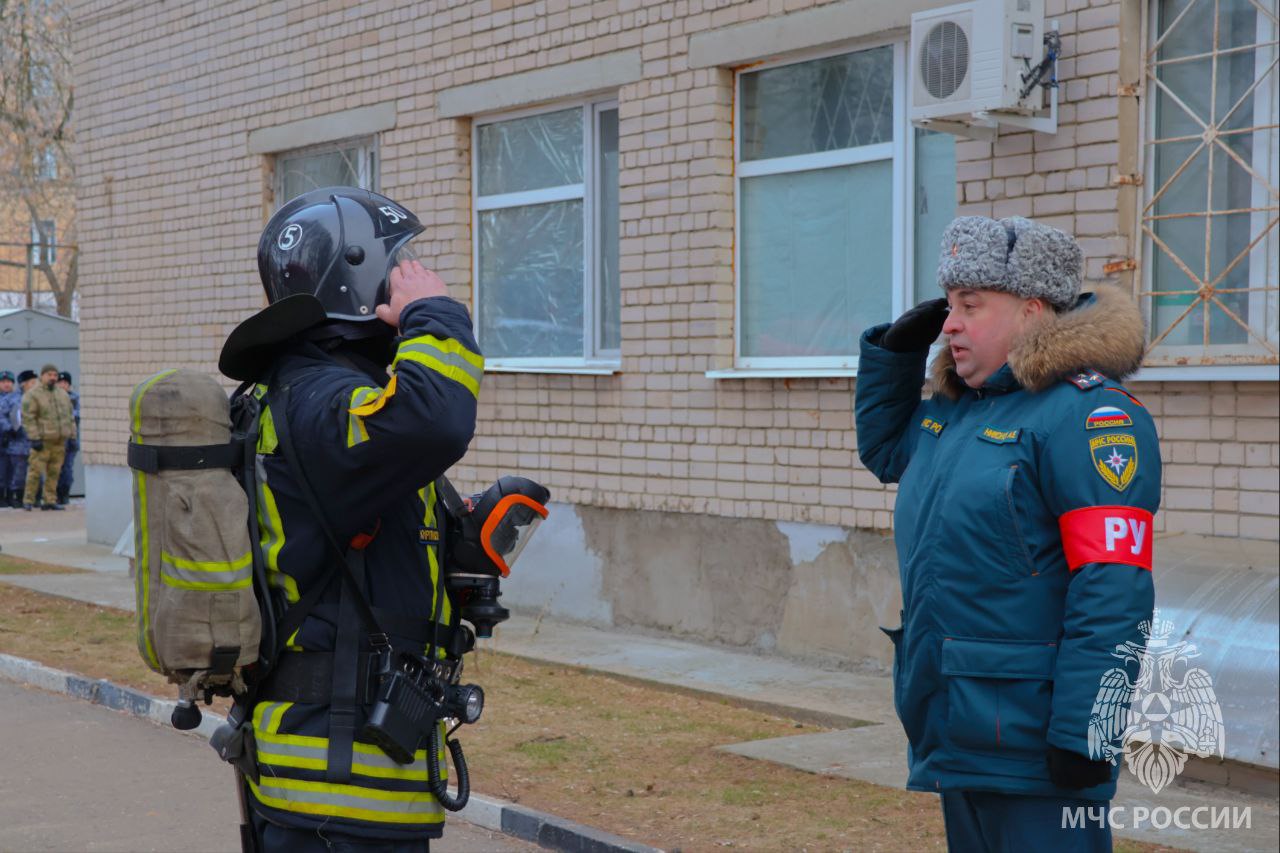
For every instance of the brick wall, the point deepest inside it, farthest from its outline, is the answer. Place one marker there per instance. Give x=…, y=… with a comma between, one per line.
x=173, y=204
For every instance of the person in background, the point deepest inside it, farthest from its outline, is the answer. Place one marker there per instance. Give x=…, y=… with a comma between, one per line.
x=73, y=444
x=8, y=402
x=47, y=419
x=19, y=447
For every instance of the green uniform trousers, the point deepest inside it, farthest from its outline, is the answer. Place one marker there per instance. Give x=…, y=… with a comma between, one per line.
x=47, y=463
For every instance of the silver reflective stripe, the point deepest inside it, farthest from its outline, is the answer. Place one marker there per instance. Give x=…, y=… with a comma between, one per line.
x=374, y=803
x=447, y=358
x=267, y=745
x=241, y=577
x=366, y=760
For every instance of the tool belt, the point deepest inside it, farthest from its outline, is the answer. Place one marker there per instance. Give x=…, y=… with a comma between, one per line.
x=307, y=677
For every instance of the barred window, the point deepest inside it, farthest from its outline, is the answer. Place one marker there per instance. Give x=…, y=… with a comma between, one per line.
x=1210, y=214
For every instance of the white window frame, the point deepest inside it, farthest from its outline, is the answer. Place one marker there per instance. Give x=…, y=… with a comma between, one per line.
x=594, y=361
x=1262, y=258
x=366, y=168
x=899, y=151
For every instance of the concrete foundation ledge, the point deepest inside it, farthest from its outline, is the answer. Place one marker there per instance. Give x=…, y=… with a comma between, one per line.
x=489, y=813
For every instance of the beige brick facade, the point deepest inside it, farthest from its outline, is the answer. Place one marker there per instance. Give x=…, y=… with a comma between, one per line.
x=172, y=203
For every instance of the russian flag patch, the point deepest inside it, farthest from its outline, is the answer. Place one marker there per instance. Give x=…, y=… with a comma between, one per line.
x=1107, y=417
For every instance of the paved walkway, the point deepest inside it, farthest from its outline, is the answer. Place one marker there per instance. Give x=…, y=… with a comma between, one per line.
x=82, y=777
x=846, y=700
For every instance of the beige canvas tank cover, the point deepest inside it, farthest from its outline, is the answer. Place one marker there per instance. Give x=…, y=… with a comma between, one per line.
x=194, y=569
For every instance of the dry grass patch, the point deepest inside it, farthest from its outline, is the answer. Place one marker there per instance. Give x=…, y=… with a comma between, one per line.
x=630, y=758
x=75, y=636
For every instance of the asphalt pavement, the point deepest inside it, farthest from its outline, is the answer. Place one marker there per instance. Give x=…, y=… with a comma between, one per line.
x=81, y=777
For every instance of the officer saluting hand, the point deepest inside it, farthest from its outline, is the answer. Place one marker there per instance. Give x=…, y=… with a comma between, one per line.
x=1024, y=525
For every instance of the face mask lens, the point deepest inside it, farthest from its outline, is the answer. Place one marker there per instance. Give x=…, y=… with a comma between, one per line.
x=513, y=532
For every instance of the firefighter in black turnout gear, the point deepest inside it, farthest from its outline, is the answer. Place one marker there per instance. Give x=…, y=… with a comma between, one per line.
x=348, y=456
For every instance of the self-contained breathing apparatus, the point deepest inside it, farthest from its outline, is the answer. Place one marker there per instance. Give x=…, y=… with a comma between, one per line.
x=481, y=538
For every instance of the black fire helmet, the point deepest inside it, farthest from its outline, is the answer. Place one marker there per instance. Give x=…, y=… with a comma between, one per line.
x=337, y=244
x=323, y=258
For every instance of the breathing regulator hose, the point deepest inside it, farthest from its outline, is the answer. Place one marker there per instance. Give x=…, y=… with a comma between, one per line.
x=440, y=787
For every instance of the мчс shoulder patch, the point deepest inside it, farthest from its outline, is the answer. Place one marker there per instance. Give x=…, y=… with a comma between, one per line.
x=999, y=436
x=933, y=426
x=1115, y=458
x=1107, y=416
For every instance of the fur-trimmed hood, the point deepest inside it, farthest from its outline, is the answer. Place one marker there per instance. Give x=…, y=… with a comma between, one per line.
x=1104, y=332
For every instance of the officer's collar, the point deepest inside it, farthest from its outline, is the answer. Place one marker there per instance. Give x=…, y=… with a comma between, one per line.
x=1003, y=381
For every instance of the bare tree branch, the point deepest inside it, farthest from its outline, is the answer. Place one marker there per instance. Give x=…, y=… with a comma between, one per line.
x=36, y=168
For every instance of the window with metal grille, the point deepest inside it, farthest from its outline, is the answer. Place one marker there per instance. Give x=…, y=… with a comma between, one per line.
x=1209, y=221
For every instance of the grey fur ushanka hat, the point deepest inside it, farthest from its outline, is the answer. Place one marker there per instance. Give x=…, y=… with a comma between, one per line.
x=1015, y=255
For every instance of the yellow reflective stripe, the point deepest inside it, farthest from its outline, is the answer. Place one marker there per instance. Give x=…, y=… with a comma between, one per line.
x=204, y=586
x=143, y=590
x=429, y=518
x=272, y=533
x=445, y=356
x=267, y=440
x=356, y=432
x=429, y=503
x=446, y=370
x=447, y=345
x=267, y=716
x=349, y=801
x=211, y=574
x=372, y=401
x=311, y=753
x=276, y=759
x=208, y=565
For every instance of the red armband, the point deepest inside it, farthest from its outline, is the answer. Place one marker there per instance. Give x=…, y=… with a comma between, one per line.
x=1107, y=534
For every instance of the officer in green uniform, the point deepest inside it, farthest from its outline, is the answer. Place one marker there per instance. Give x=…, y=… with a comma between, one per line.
x=49, y=422
x=1028, y=481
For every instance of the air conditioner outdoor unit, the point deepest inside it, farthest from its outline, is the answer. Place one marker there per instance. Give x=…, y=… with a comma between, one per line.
x=976, y=66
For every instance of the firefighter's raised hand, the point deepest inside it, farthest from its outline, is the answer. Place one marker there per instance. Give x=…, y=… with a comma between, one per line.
x=408, y=282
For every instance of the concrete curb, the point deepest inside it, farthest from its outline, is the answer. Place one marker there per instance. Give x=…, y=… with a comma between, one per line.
x=489, y=813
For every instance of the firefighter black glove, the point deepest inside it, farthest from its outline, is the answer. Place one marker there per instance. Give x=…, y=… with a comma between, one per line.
x=916, y=328
x=1074, y=771
x=37, y=444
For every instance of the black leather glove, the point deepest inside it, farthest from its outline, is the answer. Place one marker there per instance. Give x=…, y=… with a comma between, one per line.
x=1074, y=771
x=37, y=444
x=916, y=328
x=72, y=445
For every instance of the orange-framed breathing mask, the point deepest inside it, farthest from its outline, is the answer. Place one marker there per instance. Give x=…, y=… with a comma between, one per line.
x=486, y=533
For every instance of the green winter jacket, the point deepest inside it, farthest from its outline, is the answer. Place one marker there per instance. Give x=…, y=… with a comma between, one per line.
x=1023, y=525
x=47, y=414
